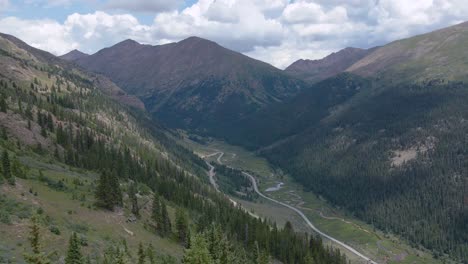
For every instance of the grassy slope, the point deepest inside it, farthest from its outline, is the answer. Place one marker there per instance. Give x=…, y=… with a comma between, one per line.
x=439, y=54
x=382, y=247
x=72, y=215
x=65, y=209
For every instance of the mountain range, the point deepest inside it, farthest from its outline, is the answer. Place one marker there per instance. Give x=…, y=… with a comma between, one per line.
x=87, y=175
x=193, y=84
x=379, y=132
x=371, y=130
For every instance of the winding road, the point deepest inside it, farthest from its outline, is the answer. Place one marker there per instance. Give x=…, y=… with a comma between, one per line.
x=299, y=212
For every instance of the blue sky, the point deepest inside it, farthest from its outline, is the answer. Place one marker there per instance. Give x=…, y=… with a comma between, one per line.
x=275, y=31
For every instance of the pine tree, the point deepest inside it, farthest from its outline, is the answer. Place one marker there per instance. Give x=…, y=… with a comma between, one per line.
x=141, y=254
x=181, y=226
x=166, y=226
x=101, y=193
x=308, y=259
x=6, y=168
x=198, y=253
x=108, y=193
x=156, y=210
x=36, y=257
x=20, y=106
x=132, y=191
x=150, y=254
x=3, y=104
x=74, y=255
x=115, y=189
x=50, y=122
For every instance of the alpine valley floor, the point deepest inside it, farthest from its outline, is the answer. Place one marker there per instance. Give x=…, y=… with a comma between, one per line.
x=380, y=247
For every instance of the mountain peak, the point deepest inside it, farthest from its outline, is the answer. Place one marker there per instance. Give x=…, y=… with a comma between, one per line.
x=336, y=62
x=73, y=55
x=128, y=43
x=195, y=41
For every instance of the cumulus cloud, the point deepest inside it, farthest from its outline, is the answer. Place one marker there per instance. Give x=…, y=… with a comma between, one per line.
x=276, y=31
x=253, y=29
x=144, y=5
x=43, y=34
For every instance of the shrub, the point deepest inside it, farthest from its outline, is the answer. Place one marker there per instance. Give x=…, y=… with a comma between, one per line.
x=55, y=230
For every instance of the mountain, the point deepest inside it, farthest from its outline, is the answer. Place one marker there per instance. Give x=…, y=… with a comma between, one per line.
x=195, y=83
x=385, y=139
x=18, y=49
x=437, y=55
x=73, y=55
x=82, y=170
x=331, y=65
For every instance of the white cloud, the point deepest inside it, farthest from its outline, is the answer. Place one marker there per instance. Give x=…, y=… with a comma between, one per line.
x=221, y=12
x=276, y=31
x=43, y=34
x=144, y=5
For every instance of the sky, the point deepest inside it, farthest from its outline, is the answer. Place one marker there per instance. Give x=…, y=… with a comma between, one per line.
x=275, y=31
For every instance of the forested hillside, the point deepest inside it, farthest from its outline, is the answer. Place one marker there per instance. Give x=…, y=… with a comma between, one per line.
x=395, y=158
x=388, y=145
x=90, y=179
x=393, y=155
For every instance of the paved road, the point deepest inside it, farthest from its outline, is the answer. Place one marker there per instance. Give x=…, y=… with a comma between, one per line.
x=309, y=223
x=211, y=174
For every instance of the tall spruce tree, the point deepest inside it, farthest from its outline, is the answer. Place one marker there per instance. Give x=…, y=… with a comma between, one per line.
x=156, y=210
x=36, y=256
x=150, y=254
x=141, y=254
x=108, y=193
x=74, y=255
x=3, y=104
x=103, y=198
x=132, y=191
x=182, y=226
x=6, y=168
x=115, y=188
x=166, y=226
x=198, y=253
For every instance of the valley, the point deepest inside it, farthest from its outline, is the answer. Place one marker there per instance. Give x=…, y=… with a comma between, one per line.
x=381, y=247
x=183, y=150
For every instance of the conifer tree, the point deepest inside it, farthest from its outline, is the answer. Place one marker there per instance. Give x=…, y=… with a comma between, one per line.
x=132, y=191
x=150, y=254
x=115, y=188
x=37, y=256
x=308, y=259
x=108, y=193
x=6, y=168
x=181, y=226
x=156, y=210
x=198, y=253
x=3, y=104
x=102, y=195
x=74, y=255
x=166, y=226
x=141, y=254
